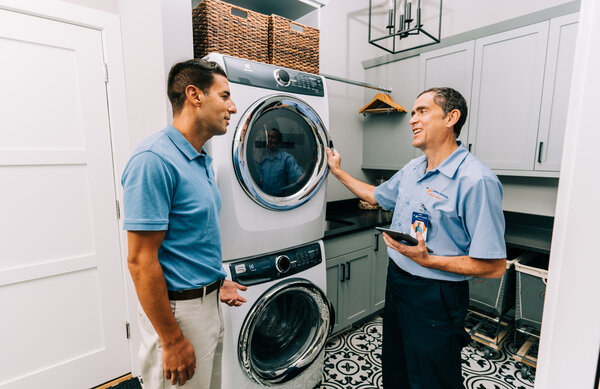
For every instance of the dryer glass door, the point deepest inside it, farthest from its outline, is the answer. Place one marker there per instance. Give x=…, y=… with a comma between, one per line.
x=279, y=152
x=285, y=331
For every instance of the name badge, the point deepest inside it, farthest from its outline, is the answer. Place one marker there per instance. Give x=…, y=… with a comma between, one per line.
x=420, y=222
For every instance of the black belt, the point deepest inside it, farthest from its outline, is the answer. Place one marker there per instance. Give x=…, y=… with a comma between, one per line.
x=405, y=273
x=189, y=294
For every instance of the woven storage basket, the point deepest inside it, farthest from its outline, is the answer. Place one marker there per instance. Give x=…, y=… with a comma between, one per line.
x=227, y=29
x=293, y=45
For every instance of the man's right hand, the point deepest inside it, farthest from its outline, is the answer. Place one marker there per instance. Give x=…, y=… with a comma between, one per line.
x=334, y=161
x=179, y=360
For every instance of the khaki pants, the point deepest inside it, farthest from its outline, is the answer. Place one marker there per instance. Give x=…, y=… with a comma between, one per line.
x=201, y=322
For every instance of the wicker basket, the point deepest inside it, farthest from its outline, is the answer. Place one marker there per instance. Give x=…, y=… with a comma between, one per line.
x=293, y=45
x=224, y=28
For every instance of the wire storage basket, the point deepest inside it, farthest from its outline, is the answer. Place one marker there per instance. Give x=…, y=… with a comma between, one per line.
x=220, y=27
x=293, y=45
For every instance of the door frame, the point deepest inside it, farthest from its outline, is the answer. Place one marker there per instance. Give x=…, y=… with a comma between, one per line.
x=109, y=26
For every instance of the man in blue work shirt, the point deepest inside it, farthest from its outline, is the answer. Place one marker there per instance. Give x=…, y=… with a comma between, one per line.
x=172, y=207
x=460, y=200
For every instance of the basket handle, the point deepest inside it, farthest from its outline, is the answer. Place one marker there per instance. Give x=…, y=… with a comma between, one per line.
x=296, y=27
x=239, y=12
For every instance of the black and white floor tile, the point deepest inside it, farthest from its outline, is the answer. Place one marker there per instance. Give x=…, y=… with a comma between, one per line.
x=353, y=361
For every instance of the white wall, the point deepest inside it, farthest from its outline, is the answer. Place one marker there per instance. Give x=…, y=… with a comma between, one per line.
x=343, y=45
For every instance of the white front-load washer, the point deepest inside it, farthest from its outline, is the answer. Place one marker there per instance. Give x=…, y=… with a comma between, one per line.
x=277, y=338
x=271, y=164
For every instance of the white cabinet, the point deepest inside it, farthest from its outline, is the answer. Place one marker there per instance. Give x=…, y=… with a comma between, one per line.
x=451, y=67
x=555, y=97
x=505, y=104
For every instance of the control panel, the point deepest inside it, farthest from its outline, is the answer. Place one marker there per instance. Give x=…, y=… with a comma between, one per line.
x=262, y=75
x=274, y=266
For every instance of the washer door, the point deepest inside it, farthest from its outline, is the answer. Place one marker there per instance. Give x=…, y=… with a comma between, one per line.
x=279, y=152
x=284, y=332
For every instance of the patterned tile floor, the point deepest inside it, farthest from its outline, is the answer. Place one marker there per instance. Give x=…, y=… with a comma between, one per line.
x=353, y=361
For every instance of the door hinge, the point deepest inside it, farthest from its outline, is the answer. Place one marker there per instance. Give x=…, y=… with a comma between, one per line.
x=118, y=209
x=127, y=330
x=105, y=72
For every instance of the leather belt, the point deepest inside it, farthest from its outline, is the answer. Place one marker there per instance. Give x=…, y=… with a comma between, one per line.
x=189, y=294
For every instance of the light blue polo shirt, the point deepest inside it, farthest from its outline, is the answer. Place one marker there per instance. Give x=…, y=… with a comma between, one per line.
x=169, y=186
x=463, y=199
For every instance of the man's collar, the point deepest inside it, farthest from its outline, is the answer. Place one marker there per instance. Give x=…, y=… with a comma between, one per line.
x=182, y=144
x=451, y=164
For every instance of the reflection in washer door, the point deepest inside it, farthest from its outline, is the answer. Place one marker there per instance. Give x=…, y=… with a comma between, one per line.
x=279, y=152
x=284, y=331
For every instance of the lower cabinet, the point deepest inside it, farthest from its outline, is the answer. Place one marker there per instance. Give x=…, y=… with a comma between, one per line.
x=356, y=273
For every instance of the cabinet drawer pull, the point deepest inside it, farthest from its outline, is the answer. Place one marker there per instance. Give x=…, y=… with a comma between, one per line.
x=540, y=153
x=469, y=148
x=348, y=275
x=376, y=243
x=343, y=273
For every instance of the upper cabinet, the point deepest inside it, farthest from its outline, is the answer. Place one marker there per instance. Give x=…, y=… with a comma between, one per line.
x=451, y=66
x=555, y=97
x=507, y=92
x=516, y=84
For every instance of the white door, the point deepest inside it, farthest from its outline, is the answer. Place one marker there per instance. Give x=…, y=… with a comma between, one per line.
x=61, y=281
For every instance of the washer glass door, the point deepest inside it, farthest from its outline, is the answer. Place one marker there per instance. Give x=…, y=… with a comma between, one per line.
x=279, y=152
x=284, y=332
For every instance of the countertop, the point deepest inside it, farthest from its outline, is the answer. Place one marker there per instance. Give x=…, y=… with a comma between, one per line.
x=528, y=232
x=344, y=217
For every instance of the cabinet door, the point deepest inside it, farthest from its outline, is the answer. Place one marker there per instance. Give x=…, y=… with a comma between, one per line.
x=507, y=91
x=333, y=287
x=357, y=285
x=555, y=98
x=378, y=272
x=450, y=67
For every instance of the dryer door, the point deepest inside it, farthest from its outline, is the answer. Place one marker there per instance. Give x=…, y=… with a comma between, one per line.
x=279, y=152
x=284, y=332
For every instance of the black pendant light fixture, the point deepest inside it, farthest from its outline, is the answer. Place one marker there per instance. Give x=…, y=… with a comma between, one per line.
x=406, y=23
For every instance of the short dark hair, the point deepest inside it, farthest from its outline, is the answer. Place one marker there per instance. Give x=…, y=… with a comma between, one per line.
x=197, y=72
x=450, y=99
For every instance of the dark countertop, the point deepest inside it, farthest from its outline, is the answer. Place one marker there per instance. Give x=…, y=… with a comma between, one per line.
x=344, y=217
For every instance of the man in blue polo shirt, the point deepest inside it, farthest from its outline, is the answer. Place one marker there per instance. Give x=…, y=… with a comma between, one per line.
x=457, y=203
x=172, y=207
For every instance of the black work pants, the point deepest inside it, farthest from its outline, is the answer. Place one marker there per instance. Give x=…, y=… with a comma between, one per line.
x=423, y=331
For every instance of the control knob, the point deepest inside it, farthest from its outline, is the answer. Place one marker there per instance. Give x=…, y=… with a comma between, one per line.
x=283, y=264
x=282, y=77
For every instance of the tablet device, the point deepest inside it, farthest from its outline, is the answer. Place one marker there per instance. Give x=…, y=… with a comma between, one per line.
x=401, y=237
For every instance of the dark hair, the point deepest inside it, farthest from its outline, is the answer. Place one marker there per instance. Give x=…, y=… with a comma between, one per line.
x=450, y=99
x=197, y=72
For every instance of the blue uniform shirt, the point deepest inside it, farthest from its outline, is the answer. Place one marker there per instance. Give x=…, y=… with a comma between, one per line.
x=463, y=199
x=169, y=186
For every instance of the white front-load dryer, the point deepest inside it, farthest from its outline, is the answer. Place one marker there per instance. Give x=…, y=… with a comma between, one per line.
x=277, y=339
x=271, y=164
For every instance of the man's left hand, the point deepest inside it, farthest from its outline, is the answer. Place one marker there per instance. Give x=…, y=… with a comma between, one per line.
x=229, y=293
x=417, y=253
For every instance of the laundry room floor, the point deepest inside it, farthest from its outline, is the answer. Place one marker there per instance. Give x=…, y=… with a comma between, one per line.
x=353, y=361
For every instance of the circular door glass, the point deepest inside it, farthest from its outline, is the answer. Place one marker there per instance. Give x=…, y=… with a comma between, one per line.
x=284, y=332
x=279, y=152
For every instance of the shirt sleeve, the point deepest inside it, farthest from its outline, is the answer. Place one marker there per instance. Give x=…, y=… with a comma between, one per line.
x=484, y=219
x=386, y=194
x=148, y=187
x=294, y=170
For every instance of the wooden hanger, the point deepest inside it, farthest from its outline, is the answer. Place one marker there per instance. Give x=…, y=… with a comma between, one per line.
x=382, y=103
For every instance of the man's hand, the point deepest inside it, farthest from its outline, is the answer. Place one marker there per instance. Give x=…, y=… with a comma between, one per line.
x=179, y=360
x=417, y=253
x=334, y=161
x=229, y=293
